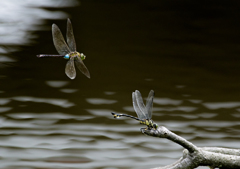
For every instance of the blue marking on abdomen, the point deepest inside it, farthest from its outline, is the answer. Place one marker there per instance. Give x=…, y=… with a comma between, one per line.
x=66, y=56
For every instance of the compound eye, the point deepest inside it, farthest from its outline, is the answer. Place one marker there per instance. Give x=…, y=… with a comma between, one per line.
x=155, y=126
x=82, y=56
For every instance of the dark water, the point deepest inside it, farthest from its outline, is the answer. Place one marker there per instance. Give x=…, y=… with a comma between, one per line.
x=186, y=51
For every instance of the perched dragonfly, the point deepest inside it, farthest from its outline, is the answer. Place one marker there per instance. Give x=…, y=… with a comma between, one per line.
x=144, y=113
x=68, y=51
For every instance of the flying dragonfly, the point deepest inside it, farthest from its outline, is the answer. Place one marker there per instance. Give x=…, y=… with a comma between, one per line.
x=68, y=51
x=144, y=113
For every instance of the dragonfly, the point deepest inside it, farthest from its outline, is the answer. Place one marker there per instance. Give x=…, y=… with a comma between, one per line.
x=68, y=51
x=144, y=113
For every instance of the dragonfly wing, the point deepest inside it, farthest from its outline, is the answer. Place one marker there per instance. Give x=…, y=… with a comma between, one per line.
x=70, y=37
x=81, y=66
x=140, y=103
x=139, y=112
x=149, y=103
x=59, y=41
x=70, y=69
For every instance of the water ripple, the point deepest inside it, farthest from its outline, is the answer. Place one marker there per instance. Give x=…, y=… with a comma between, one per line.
x=57, y=84
x=100, y=101
x=179, y=108
x=219, y=105
x=167, y=101
x=50, y=115
x=68, y=90
x=100, y=112
x=4, y=101
x=5, y=109
x=54, y=101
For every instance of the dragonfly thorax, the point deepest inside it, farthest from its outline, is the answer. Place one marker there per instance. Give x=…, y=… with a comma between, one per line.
x=149, y=123
x=75, y=54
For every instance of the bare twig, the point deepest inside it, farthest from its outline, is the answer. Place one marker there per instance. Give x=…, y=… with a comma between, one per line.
x=194, y=156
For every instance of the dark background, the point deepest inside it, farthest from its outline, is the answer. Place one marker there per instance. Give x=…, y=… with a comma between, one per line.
x=186, y=51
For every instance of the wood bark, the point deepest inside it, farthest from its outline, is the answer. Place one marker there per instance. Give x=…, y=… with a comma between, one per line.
x=193, y=156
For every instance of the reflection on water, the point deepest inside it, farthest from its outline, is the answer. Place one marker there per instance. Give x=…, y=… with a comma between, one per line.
x=57, y=83
x=56, y=102
x=19, y=18
x=166, y=101
x=222, y=105
x=96, y=140
x=100, y=101
x=49, y=121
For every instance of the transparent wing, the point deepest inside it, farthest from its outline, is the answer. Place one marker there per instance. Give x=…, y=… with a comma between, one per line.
x=149, y=103
x=141, y=115
x=80, y=65
x=59, y=41
x=70, y=69
x=70, y=37
x=140, y=103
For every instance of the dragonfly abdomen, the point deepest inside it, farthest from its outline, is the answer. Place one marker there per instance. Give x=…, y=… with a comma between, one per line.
x=66, y=56
x=126, y=115
x=46, y=55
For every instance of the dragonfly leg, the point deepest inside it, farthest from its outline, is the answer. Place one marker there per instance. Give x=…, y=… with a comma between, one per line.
x=143, y=131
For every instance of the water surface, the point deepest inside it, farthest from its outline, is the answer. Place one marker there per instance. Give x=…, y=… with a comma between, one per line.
x=187, y=52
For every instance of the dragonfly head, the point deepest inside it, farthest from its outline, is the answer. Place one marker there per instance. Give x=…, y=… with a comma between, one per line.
x=82, y=56
x=155, y=126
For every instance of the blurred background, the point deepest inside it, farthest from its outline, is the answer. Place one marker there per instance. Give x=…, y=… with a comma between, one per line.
x=188, y=52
